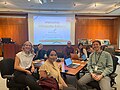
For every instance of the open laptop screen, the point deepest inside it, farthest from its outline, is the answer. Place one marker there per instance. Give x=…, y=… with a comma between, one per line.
x=84, y=57
x=68, y=61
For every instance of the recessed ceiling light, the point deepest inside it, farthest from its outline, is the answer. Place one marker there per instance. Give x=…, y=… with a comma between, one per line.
x=40, y=1
x=76, y=4
x=51, y=0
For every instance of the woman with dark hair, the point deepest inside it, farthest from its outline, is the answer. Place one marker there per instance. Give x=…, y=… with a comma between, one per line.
x=51, y=67
x=89, y=50
x=82, y=53
x=24, y=67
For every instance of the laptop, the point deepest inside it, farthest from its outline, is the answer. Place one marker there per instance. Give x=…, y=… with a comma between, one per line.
x=68, y=62
x=83, y=57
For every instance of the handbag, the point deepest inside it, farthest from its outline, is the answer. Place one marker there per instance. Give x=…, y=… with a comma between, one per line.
x=48, y=83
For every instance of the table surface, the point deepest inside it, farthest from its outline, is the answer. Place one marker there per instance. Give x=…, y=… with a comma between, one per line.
x=117, y=50
x=71, y=71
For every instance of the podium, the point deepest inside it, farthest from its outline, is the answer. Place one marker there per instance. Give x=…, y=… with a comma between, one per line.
x=10, y=50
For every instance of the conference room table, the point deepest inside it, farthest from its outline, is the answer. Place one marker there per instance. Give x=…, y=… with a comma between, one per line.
x=72, y=71
x=38, y=63
x=64, y=68
x=117, y=52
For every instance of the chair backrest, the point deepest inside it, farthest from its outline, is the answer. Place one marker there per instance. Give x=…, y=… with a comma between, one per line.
x=7, y=67
x=111, y=50
x=115, y=63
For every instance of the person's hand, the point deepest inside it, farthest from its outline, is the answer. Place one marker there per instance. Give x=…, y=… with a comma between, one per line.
x=98, y=77
x=32, y=69
x=43, y=74
x=60, y=86
x=93, y=75
x=28, y=72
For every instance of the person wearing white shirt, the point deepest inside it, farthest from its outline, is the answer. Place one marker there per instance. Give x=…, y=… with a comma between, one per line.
x=82, y=53
x=24, y=67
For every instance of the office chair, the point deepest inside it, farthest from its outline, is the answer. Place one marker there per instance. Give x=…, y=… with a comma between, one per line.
x=95, y=84
x=7, y=70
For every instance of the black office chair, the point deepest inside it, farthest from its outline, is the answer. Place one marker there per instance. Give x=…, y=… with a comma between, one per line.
x=95, y=84
x=7, y=70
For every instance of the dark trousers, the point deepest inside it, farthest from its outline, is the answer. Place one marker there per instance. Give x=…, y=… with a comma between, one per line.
x=28, y=80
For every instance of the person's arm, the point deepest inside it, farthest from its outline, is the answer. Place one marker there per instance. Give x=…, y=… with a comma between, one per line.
x=36, y=55
x=62, y=82
x=17, y=66
x=42, y=71
x=89, y=64
x=109, y=65
x=32, y=68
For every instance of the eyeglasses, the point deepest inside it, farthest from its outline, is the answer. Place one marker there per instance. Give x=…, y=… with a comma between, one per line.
x=53, y=54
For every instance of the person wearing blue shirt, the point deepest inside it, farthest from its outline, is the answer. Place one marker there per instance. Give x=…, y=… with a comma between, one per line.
x=40, y=53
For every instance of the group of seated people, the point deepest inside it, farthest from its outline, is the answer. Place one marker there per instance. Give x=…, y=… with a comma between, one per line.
x=24, y=68
x=99, y=66
x=81, y=51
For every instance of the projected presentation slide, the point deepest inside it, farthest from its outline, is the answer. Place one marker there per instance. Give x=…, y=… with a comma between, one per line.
x=53, y=30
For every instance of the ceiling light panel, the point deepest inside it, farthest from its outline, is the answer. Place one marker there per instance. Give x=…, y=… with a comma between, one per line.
x=86, y=6
x=96, y=6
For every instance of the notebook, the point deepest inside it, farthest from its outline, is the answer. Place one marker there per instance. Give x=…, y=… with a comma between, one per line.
x=69, y=63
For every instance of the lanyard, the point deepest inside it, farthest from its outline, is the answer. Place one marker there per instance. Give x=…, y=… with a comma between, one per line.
x=98, y=58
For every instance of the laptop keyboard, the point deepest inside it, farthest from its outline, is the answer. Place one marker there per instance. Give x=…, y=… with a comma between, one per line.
x=72, y=65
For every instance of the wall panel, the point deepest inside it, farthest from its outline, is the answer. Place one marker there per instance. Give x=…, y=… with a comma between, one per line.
x=96, y=29
x=17, y=29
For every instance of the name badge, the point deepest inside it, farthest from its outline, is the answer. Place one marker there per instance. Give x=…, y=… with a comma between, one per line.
x=96, y=68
